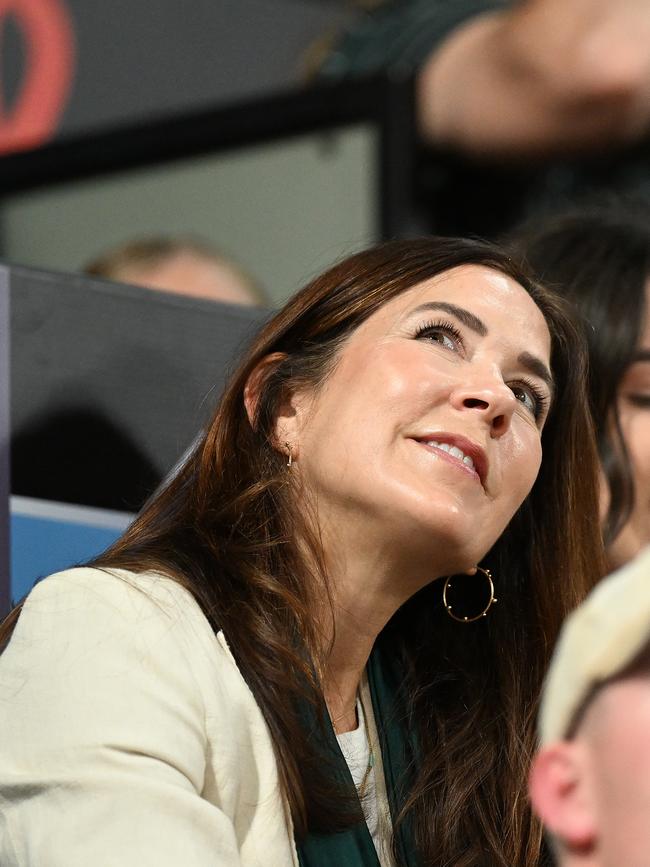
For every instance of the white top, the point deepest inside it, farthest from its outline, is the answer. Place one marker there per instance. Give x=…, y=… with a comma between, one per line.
x=356, y=749
x=356, y=752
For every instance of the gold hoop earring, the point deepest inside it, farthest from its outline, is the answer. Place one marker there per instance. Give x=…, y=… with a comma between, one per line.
x=461, y=618
x=289, y=454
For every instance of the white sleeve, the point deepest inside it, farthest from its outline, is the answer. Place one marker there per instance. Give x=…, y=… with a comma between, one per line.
x=102, y=734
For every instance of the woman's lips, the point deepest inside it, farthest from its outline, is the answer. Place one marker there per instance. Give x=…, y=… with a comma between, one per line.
x=459, y=451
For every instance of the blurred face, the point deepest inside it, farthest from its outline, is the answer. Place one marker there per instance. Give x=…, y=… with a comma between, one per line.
x=617, y=735
x=634, y=413
x=593, y=791
x=186, y=273
x=426, y=434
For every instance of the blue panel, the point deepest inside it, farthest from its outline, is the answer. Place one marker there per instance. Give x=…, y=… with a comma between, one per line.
x=40, y=546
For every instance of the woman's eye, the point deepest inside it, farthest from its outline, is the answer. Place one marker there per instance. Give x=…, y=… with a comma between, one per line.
x=525, y=397
x=444, y=333
x=530, y=398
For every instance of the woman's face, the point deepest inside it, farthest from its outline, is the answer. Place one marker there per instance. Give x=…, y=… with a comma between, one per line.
x=634, y=414
x=426, y=435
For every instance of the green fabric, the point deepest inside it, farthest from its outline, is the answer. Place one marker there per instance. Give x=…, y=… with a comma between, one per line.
x=399, y=35
x=354, y=848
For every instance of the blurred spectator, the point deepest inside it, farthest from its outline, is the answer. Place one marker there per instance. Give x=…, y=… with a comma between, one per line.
x=599, y=257
x=536, y=77
x=590, y=781
x=182, y=265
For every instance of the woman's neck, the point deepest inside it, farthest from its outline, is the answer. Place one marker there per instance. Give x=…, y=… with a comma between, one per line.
x=363, y=603
x=346, y=662
x=370, y=578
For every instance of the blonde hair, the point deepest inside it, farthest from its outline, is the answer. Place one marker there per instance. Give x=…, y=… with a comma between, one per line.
x=154, y=250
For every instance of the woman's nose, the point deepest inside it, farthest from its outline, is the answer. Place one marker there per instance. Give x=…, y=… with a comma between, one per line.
x=491, y=398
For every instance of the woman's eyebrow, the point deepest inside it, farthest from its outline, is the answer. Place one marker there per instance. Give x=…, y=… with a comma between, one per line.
x=531, y=362
x=467, y=318
x=536, y=365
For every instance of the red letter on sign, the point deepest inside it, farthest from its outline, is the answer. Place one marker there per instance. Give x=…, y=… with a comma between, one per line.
x=49, y=40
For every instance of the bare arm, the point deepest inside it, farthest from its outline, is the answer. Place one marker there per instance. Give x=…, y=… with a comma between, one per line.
x=546, y=76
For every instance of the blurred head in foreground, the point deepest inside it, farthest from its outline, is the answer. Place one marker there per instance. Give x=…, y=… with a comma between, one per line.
x=590, y=781
x=599, y=257
x=178, y=264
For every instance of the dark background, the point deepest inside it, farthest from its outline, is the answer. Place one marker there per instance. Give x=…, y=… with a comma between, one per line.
x=141, y=59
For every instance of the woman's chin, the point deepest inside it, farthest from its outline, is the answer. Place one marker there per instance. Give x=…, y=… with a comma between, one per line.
x=447, y=538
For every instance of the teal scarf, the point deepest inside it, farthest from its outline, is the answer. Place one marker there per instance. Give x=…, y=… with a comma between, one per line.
x=354, y=847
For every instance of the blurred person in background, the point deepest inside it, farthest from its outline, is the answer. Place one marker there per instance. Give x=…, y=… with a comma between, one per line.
x=590, y=781
x=529, y=78
x=598, y=256
x=183, y=265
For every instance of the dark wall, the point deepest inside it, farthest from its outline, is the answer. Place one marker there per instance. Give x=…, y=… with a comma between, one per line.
x=110, y=384
x=107, y=63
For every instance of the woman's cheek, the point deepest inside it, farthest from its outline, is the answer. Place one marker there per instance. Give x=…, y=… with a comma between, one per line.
x=530, y=455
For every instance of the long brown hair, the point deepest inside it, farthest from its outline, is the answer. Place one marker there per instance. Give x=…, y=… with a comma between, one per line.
x=226, y=528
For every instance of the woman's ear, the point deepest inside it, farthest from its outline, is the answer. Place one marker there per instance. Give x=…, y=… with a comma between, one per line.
x=255, y=383
x=562, y=795
x=288, y=412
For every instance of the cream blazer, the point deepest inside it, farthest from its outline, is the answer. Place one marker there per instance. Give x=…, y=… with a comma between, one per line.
x=128, y=737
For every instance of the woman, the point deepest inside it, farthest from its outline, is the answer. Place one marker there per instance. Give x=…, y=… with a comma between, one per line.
x=599, y=257
x=266, y=647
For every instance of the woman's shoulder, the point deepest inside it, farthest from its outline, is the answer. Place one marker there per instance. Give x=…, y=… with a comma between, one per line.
x=114, y=682
x=110, y=586
x=115, y=611
x=125, y=638
x=120, y=595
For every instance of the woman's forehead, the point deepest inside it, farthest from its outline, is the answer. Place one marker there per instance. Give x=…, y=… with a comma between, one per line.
x=471, y=282
x=483, y=291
